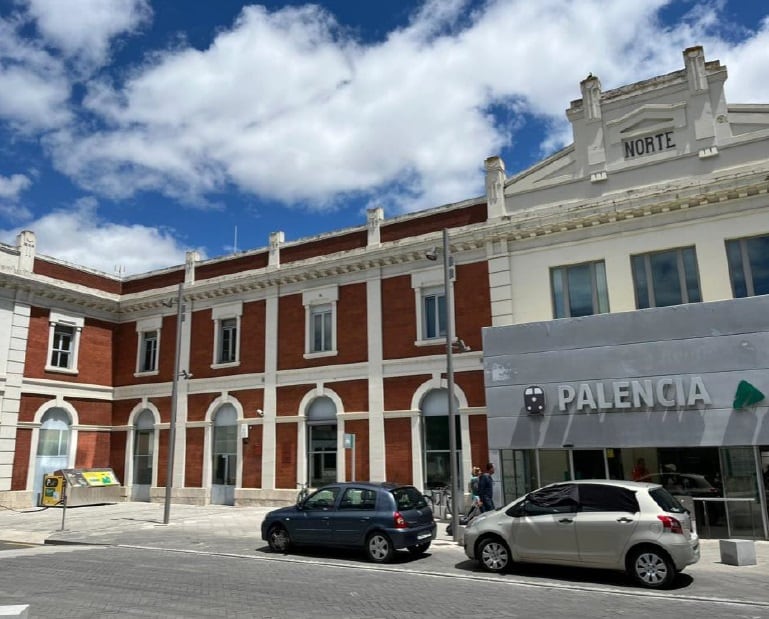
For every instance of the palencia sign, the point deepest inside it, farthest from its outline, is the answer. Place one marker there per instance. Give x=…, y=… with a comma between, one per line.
x=666, y=392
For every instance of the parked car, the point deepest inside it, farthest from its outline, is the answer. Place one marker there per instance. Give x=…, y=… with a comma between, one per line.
x=379, y=518
x=686, y=484
x=639, y=528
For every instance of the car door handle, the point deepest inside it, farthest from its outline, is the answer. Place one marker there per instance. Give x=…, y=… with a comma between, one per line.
x=566, y=520
x=624, y=519
x=365, y=519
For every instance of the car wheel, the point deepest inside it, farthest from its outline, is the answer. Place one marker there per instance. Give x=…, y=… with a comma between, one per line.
x=493, y=555
x=279, y=539
x=651, y=567
x=419, y=549
x=379, y=548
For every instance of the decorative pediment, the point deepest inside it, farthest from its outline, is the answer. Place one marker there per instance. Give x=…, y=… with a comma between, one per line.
x=648, y=118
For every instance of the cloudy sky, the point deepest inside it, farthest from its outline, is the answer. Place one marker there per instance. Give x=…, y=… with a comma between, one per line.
x=133, y=130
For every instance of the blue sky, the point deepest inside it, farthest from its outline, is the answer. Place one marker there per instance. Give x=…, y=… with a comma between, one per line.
x=133, y=130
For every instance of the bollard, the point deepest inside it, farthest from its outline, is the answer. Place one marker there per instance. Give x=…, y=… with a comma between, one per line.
x=737, y=551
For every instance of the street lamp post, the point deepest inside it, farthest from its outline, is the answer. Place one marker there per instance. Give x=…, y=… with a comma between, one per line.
x=174, y=400
x=456, y=491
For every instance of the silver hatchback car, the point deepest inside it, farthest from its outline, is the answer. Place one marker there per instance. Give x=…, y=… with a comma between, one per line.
x=639, y=528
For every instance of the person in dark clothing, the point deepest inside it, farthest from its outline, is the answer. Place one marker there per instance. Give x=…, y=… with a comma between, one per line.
x=486, y=489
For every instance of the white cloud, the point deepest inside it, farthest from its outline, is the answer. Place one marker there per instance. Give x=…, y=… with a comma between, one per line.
x=286, y=106
x=85, y=28
x=747, y=66
x=11, y=188
x=35, y=81
x=79, y=236
x=33, y=85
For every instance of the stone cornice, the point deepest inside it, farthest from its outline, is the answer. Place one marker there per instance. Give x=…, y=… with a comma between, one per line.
x=627, y=205
x=531, y=223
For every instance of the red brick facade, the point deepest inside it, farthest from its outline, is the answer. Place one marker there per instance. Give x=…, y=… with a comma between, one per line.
x=108, y=355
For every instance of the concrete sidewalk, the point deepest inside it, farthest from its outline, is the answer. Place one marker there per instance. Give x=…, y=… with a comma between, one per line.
x=236, y=530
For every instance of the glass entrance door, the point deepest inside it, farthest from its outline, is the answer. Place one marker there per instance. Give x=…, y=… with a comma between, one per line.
x=322, y=454
x=589, y=464
x=225, y=456
x=144, y=439
x=741, y=493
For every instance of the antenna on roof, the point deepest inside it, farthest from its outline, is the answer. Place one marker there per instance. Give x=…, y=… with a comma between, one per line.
x=235, y=242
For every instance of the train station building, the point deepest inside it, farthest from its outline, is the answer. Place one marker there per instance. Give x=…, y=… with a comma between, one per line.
x=625, y=277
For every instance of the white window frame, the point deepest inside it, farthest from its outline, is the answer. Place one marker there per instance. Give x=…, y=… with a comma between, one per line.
x=55, y=319
x=427, y=283
x=327, y=338
x=599, y=290
x=681, y=274
x=219, y=315
x=143, y=327
x=313, y=300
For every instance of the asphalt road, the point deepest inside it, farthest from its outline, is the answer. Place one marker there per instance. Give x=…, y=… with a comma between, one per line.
x=14, y=545
x=97, y=581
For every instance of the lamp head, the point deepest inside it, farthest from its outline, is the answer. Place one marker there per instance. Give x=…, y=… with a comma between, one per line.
x=432, y=254
x=461, y=346
x=260, y=412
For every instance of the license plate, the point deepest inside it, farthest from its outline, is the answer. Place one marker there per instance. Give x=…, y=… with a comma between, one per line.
x=424, y=535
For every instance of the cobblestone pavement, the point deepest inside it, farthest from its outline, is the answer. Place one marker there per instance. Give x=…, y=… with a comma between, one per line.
x=234, y=532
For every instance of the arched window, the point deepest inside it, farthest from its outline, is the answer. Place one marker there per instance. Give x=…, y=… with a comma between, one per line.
x=52, y=445
x=435, y=438
x=54, y=434
x=321, y=441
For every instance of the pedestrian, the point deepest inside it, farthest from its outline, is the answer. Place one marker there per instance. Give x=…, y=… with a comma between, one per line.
x=473, y=485
x=486, y=489
x=639, y=470
x=475, y=502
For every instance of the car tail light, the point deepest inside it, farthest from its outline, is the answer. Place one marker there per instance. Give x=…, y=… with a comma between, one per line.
x=672, y=525
x=400, y=521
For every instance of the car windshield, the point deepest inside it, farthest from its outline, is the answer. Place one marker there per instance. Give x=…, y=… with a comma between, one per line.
x=408, y=497
x=666, y=501
x=322, y=499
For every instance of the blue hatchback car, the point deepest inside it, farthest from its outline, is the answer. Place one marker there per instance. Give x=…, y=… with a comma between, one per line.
x=378, y=517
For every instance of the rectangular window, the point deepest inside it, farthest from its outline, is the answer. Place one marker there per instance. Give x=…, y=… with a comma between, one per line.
x=579, y=290
x=749, y=266
x=321, y=328
x=666, y=278
x=52, y=442
x=62, y=346
x=228, y=340
x=149, y=352
x=64, y=332
x=433, y=314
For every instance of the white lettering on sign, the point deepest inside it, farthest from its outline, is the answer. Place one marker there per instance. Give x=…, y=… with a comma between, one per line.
x=649, y=144
x=629, y=394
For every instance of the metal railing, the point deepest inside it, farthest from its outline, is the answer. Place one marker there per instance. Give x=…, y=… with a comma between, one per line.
x=725, y=501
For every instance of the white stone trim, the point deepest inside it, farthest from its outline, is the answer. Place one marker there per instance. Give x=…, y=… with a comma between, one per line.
x=208, y=438
x=69, y=320
x=129, y=447
x=219, y=314
x=37, y=421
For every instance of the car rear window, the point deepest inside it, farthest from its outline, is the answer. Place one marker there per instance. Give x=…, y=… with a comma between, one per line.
x=666, y=501
x=408, y=497
x=605, y=498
